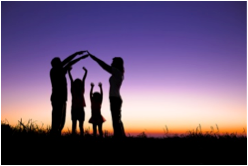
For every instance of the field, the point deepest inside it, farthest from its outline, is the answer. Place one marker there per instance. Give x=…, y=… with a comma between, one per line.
x=31, y=145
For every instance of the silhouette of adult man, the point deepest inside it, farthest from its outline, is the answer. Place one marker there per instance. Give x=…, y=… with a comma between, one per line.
x=59, y=89
x=116, y=69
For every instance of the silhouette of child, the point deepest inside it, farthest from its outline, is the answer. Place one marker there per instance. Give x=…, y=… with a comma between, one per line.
x=96, y=118
x=78, y=102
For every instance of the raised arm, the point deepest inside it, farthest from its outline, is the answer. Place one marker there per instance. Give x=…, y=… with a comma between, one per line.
x=85, y=74
x=69, y=72
x=91, y=91
x=101, y=92
x=69, y=58
x=84, y=77
x=101, y=63
x=74, y=61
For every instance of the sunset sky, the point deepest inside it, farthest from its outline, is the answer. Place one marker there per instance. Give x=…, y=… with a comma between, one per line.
x=185, y=62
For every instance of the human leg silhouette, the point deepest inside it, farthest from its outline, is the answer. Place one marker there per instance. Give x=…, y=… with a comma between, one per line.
x=94, y=130
x=120, y=125
x=115, y=123
x=100, y=130
x=57, y=116
x=81, y=126
x=74, y=126
x=115, y=107
x=122, y=131
x=63, y=114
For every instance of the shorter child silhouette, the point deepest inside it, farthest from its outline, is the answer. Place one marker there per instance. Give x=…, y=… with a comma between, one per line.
x=78, y=102
x=96, y=118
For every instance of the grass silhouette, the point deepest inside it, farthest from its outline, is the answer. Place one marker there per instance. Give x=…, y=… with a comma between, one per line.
x=30, y=144
x=31, y=128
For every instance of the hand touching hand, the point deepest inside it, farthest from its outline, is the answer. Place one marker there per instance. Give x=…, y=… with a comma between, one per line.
x=80, y=52
x=85, y=56
x=89, y=54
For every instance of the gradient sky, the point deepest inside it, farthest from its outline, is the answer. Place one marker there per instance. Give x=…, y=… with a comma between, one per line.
x=185, y=62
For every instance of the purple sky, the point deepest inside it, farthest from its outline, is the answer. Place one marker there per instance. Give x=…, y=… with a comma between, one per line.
x=185, y=62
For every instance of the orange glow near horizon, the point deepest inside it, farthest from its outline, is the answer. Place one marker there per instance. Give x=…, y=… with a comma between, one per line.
x=179, y=120
x=159, y=133
x=134, y=129
x=161, y=130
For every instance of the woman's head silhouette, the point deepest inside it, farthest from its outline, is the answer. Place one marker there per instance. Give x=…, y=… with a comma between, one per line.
x=118, y=63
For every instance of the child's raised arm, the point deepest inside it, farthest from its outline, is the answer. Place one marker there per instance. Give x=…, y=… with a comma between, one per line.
x=69, y=71
x=84, y=77
x=91, y=90
x=101, y=92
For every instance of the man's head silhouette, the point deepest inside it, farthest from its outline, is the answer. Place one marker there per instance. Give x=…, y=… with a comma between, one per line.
x=56, y=62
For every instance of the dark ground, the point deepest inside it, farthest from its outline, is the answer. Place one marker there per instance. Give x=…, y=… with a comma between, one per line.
x=44, y=150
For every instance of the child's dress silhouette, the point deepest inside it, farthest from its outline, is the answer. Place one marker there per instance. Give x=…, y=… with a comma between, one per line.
x=96, y=117
x=78, y=104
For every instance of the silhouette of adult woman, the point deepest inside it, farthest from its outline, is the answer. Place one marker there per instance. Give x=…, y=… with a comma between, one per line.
x=59, y=90
x=117, y=75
